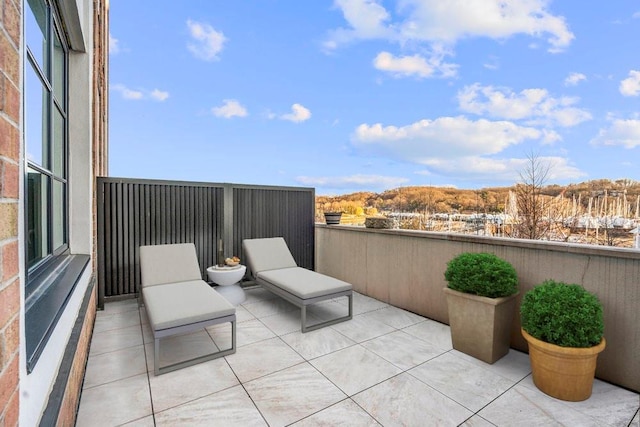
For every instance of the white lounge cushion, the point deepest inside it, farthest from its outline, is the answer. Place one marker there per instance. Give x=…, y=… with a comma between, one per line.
x=267, y=254
x=304, y=283
x=184, y=303
x=174, y=263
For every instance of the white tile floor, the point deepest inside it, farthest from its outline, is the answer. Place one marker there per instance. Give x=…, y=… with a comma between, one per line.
x=385, y=367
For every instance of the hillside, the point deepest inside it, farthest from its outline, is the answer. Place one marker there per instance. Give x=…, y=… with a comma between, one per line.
x=623, y=192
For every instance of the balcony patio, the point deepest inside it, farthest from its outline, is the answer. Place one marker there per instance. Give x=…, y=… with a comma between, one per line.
x=386, y=366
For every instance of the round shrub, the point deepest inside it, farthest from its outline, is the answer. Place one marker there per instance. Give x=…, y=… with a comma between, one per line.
x=562, y=314
x=481, y=274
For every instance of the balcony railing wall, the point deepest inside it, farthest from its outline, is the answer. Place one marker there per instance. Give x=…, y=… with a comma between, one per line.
x=134, y=212
x=406, y=269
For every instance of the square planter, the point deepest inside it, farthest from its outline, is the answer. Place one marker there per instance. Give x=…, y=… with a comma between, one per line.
x=480, y=326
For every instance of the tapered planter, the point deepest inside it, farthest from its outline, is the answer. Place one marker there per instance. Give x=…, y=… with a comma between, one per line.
x=565, y=373
x=480, y=326
x=332, y=218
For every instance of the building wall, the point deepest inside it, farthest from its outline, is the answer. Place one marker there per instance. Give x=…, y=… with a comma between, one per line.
x=24, y=397
x=406, y=269
x=10, y=284
x=68, y=406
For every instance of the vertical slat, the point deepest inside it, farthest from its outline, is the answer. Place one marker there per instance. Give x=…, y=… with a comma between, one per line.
x=108, y=234
x=126, y=214
x=138, y=218
x=101, y=238
x=118, y=234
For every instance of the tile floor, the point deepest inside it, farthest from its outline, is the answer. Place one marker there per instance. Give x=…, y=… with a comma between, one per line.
x=385, y=367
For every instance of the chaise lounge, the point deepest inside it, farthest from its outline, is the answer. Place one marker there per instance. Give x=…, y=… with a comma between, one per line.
x=273, y=267
x=177, y=300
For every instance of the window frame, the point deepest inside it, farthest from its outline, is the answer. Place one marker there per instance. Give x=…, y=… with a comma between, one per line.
x=51, y=276
x=47, y=168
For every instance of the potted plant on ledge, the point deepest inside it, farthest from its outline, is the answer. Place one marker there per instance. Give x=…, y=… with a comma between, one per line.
x=481, y=299
x=564, y=326
x=332, y=218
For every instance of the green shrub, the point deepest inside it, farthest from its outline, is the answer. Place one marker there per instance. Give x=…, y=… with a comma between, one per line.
x=562, y=314
x=481, y=274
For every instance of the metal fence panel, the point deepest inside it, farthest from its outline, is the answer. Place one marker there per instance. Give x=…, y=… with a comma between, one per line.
x=260, y=212
x=135, y=212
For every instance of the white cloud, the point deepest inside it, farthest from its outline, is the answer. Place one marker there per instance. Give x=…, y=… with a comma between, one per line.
x=367, y=20
x=484, y=168
x=298, y=114
x=446, y=22
x=159, y=95
x=559, y=168
x=535, y=105
x=636, y=15
x=230, y=108
x=208, y=42
x=443, y=138
x=114, y=48
x=631, y=85
x=128, y=93
x=492, y=64
x=459, y=147
x=625, y=133
x=140, y=94
x=353, y=181
x=415, y=65
x=574, y=78
x=403, y=65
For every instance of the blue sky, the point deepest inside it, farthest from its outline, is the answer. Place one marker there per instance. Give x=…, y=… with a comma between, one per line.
x=366, y=95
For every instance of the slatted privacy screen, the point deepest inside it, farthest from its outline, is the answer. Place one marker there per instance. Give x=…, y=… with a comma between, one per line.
x=261, y=212
x=132, y=213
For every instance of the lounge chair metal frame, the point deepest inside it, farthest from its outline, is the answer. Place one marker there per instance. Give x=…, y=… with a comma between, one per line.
x=304, y=303
x=163, y=333
x=267, y=255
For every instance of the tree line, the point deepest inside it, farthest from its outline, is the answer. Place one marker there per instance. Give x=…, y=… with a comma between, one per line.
x=430, y=200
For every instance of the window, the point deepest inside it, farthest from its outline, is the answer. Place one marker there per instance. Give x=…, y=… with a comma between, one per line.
x=45, y=136
x=51, y=272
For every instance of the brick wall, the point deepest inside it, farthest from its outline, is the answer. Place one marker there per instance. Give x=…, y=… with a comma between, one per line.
x=10, y=98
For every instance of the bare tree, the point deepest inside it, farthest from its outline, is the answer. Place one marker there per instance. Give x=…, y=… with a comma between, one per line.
x=533, y=207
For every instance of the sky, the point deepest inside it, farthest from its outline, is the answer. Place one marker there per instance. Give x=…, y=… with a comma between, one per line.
x=371, y=95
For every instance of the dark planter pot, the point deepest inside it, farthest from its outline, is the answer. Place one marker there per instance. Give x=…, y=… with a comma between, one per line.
x=332, y=218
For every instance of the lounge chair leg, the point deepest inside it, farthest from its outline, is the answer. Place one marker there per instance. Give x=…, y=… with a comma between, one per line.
x=233, y=336
x=306, y=328
x=303, y=309
x=156, y=356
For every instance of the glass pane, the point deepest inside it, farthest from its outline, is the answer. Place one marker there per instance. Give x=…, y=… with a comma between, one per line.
x=36, y=33
x=37, y=217
x=36, y=118
x=58, y=71
x=58, y=149
x=58, y=212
